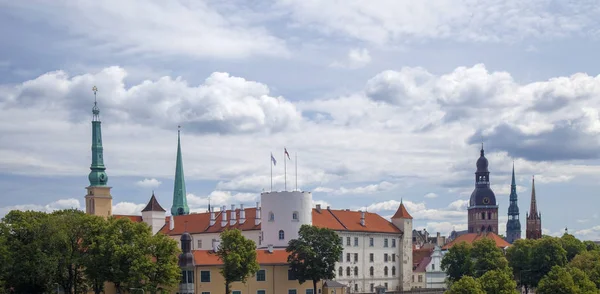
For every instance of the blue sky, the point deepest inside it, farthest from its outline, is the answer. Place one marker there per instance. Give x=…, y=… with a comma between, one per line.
x=382, y=101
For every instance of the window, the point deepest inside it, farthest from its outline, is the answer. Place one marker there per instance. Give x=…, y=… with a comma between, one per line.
x=393, y=270
x=271, y=216
x=347, y=257
x=483, y=215
x=261, y=276
x=205, y=276
x=393, y=257
x=292, y=291
x=281, y=235
x=347, y=241
x=433, y=266
x=261, y=292
x=341, y=257
x=371, y=257
x=355, y=241
x=291, y=275
x=385, y=257
x=385, y=285
x=393, y=242
x=355, y=287
x=205, y=292
x=420, y=278
x=371, y=271
x=309, y=291
x=356, y=270
x=413, y=278
x=236, y=292
x=187, y=277
x=340, y=272
x=371, y=242
x=348, y=271
x=385, y=242
x=372, y=288
x=355, y=257
x=385, y=271
x=295, y=216
x=199, y=244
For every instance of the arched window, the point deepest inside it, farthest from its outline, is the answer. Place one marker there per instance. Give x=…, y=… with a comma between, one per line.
x=385, y=271
x=356, y=270
x=489, y=228
x=371, y=271
x=340, y=271
x=483, y=215
x=489, y=215
x=348, y=271
x=271, y=216
x=393, y=270
x=295, y=215
x=281, y=235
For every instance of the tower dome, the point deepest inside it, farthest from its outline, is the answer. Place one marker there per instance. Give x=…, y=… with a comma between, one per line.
x=482, y=162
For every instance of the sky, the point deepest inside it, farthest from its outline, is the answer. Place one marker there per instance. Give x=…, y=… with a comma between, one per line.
x=381, y=102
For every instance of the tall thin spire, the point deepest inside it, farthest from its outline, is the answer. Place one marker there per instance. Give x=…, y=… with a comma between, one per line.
x=533, y=205
x=97, y=174
x=180, y=206
x=513, y=225
x=534, y=218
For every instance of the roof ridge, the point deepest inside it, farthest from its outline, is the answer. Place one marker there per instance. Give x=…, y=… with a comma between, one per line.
x=337, y=219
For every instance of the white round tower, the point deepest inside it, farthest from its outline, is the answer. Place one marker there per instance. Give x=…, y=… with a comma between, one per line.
x=282, y=215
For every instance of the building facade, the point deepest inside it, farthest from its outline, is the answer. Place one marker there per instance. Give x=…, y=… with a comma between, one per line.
x=483, y=208
x=513, y=225
x=434, y=275
x=534, y=218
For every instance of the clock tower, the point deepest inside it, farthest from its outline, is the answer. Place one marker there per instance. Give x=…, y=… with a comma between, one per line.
x=98, y=200
x=483, y=208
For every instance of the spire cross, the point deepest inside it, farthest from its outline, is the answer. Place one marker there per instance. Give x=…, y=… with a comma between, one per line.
x=94, y=89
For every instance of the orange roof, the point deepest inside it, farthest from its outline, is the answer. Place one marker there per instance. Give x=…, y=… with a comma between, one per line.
x=402, y=212
x=133, y=218
x=350, y=221
x=200, y=222
x=208, y=257
x=472, y=237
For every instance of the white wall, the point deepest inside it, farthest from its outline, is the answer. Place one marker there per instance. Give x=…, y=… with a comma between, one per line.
x=155, y=219
x=435, y=277
x=282, y=205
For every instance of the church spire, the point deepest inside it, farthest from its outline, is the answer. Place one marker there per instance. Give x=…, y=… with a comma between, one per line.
x=513, y=225
x=97, y=174
x=533, y=206
x=180, y=206
x=534, y=218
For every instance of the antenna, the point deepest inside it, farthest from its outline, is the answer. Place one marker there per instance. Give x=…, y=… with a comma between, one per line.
x=95, y=109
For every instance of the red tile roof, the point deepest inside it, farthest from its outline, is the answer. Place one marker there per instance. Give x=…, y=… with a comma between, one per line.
x=419, y=255
x=133, y=218
x=472, y=237
x=153, y=205
x=196, y=223
x=402, y=212
x=422, y=266
x=350, y=220
x=207, y=257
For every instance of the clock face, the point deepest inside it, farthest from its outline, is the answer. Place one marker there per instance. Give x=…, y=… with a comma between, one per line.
x=486, y=200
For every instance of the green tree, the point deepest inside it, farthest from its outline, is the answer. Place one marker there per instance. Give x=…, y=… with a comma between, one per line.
x=591, y=246
x=99, y=245
x=498, y=282
x=519, y=257
x=488, y=257
x=557, y=281
x=571, y=245
x=238, y=255
x=4, y=257
x=582, y=281
x=163, y=270
x=547, y=253
x=466, y=285
x=458, y=262
x=588, y=262
x=314, y=254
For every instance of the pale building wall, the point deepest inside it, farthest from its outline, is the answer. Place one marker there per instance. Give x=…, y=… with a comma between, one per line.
x=98, y=201
x=435, y=276
x=278, y=209
x=155, y=219
x=405, y=225
x=419, y=280
x=204, y=241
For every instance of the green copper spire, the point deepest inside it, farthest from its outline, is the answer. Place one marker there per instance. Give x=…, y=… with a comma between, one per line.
x=97, y=175
x=180, y=206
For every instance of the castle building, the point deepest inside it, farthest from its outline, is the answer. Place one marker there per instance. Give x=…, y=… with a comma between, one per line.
x=483, y=208
x=534, y=218
x=513, y=225
x=377, y=252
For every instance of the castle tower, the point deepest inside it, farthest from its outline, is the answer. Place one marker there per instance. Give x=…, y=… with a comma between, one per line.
x=534, y=218
x=186, y=264
x=154, y=215
x=403, y=221
x=483, y=208
x=180, y=206
x=98, y=200
x=513, y=226
x=283, y=213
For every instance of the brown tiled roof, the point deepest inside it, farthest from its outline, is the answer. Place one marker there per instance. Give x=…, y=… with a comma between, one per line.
x=350, y=220
x=264, y=257
x=422, y=266
x=133, y=218
x=472, y=237
x=200, y=223
x=153, y=205
x=419, y=255
x=402, y=212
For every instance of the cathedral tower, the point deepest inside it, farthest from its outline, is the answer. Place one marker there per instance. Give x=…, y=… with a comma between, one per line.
x=180, y=206
x=513, y=226
x=534, y=218
x=483, y=209
x=98, y=200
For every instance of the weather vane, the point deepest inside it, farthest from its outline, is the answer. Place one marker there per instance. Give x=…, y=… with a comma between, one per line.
x=94, y=89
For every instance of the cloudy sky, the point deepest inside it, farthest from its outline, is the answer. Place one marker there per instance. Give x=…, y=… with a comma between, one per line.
x=381, y=101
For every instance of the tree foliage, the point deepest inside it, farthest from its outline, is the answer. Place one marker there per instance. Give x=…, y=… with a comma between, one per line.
x=547, y=252
x=561, y=280
x=520, y=256
x=238, y=255
x=314, y=254
x=487, y=257
x=589, y=263
x=466, y=285
x=572, y=246
x=498, y=282
x=458, y=262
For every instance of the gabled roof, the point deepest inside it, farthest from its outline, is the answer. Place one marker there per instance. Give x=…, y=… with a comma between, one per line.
x=472, y=237
x=153, y=205
x=264, y=257
x=422, y=266
x=198, y=223
x=419, y=255
x=402, y=212
x=350, y=221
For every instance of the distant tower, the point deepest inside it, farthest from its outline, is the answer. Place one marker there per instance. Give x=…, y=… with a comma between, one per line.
x=98, y=200
x=180, y=206
x=154, y=215
x=534, y=218
x=404, y=221
x=283, y=213
x=483, y=209
x=513, y=226
x=186, y=264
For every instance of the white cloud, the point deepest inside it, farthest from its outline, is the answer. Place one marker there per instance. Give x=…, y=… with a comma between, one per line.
x=128, y=208
x=148, y=183
x=70, y=203
x=355, y=59
x=592, y=233
x=430, y=195
x=369, y=189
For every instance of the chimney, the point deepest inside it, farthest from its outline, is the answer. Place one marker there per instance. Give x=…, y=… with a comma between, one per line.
x=242, y=214
x=328, y=207
x=270, y=248
x=172, y=223
x=213, y=220
x=319, y=208
x=224, y=216
x=232, y=218
x=215, y=244
x=362, y=218
x=258, y=214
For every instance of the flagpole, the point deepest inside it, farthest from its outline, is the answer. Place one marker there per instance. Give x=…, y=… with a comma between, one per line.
x=271, y=164
x=284, y=171
x=296, y=164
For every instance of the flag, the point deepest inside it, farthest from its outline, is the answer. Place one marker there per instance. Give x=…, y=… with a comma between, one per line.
x=286, y=153
x=273, y=159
